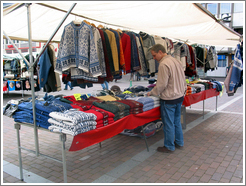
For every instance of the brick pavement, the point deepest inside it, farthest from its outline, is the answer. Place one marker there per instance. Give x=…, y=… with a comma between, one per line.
x=213, y=152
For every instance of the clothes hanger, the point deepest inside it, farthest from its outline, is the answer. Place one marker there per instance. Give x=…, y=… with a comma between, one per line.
x=119, y=30
x=77, y=21
x=87, y=22
x=100, y=26
x=92, y=24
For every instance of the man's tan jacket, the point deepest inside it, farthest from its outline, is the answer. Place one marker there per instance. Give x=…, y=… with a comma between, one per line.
x=171, y=82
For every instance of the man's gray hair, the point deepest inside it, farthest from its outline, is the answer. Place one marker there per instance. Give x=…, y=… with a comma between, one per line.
x=158, y=47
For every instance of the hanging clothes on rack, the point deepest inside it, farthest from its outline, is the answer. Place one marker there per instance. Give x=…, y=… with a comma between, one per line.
x=126, y=45
x=114, y=50
x=143, y=70
x=212, y=59
x=53, y=83
x=200, y=56
x=236, y=69
x=120, y=49
x=191, y=69
x=77, y=53
x=135, y=64
x=170, y=48
x=107, y=57
x=99, y=50
x=148, y=42
x=49, y=80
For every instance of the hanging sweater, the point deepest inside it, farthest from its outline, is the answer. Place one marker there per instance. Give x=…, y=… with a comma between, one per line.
x=78, y=50
x=99, y=49
x=126, y=45
x=114, y=50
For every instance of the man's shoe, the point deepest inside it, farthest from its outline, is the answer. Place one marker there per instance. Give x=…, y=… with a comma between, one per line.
x=164, y=149
x=71, y=88
x=178, y=146
x=65, y=89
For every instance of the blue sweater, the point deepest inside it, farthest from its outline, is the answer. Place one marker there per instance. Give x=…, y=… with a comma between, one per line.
x=78, y=50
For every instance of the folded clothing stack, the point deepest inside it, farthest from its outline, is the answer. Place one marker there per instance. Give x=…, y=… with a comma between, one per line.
x=103, y=117
x=124, y=109
x=118, y=109
x=136, y=89
x=43, y=108
x=149, y=102
x=196, y=88
x=190, y=90
x=135, y=107
x=72, y=122
x=82, y=105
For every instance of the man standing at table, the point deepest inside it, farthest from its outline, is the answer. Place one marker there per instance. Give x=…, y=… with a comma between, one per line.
x=170, y=87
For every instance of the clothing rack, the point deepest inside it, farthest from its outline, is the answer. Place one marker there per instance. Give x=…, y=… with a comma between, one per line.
x=180, y=46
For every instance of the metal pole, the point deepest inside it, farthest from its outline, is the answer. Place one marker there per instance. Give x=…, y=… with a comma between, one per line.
x=216, y=102
x=58, y=27
x=63, y=139
x=145, y=138
x=203, y=109
x=17, y=127
x=16, y=48
x=32, y=78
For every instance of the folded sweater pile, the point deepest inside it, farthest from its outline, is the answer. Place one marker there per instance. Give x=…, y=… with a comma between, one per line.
x=118, y=109
x=149, y=102
x=72, y=122
x=103, y=117
x=135, y=107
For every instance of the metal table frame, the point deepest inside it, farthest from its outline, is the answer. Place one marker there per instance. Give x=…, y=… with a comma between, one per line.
x=183, y=112
x=63, y=138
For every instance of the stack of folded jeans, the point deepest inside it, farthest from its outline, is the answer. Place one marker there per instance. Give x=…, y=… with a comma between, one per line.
x=72, y=122
x=24, y=113
x=43, y=108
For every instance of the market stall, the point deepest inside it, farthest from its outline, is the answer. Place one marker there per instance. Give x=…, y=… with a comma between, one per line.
x=218, y=35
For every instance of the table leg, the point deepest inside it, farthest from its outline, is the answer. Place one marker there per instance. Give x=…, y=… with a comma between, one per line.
x=145, y=139
x=203, y=109
x=17, y=127
x=63, y=139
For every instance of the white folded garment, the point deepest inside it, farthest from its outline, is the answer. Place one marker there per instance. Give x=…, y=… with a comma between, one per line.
x=73, y=117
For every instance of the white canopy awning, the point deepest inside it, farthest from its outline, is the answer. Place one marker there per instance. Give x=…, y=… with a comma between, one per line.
x=175, y=20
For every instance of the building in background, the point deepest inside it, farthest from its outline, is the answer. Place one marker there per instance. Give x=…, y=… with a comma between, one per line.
x=232, y=15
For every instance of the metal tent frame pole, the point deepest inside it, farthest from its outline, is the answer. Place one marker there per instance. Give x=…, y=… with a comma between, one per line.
x=32, y=78
x=31, y=65
x=16, y=48
x=54, y=33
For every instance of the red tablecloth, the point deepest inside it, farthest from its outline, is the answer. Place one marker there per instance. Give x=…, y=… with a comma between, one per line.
x=131, y=121
x=197, y=97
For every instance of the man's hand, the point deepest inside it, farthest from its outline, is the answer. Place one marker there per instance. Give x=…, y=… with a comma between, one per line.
x=148, y=94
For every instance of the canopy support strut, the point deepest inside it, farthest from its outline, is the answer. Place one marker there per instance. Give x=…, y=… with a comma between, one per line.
x=16, y=48
x=54, y=33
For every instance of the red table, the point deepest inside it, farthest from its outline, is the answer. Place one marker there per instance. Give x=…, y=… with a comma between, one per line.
x=131, y=121
x=197, y=97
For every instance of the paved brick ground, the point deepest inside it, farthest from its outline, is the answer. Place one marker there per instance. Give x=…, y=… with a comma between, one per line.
x=213, y=151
